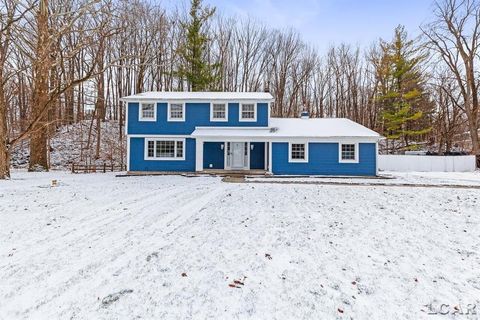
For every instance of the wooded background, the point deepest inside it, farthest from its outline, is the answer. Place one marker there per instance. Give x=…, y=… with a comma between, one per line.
x=67, y=62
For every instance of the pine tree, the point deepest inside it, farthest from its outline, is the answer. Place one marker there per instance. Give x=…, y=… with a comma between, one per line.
x=402, y=94
x=199, y=73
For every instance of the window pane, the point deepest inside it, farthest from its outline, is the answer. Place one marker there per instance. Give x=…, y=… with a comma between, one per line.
x=248, y=111
x=348, y=152
x=298, y=151
x=148, y=110
x=176, y=111
x=219, y=111
x=151, y=149
x=165, y=149
x=179, y=149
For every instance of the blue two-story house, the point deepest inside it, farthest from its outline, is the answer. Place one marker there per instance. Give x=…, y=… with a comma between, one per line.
x=202, y=131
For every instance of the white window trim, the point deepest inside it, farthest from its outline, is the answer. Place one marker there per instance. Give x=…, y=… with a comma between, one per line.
x=176, y=119
x=357, y=151
x=140, y=113
x=240, y=113
x=290, y=152
x=145, y=147
x=212, y=119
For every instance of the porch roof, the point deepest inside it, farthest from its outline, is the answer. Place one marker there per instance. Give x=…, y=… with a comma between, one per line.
x=231, y=132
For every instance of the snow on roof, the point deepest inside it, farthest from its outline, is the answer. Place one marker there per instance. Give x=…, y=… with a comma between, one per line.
x=320, y=127
x=294, y=128
x=200, y=96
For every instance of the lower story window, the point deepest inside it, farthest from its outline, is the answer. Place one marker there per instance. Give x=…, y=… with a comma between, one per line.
x=348, y=152
x=298, y=152
x=165, y=149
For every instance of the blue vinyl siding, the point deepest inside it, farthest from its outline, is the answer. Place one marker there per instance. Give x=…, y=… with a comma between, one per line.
x=257, y=155
x=323, y=160
x=196, y=115
x=213, y=155
x=138, y=162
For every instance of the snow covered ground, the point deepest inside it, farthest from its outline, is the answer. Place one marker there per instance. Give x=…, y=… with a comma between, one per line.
x=390, y=178
x=172, y=247
x=69, y=144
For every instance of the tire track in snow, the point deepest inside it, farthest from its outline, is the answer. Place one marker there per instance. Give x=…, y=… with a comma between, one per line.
x=116, y=223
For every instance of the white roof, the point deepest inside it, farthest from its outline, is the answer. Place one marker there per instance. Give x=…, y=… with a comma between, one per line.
x=320, y=127
x=199, y=96
x=294, y=128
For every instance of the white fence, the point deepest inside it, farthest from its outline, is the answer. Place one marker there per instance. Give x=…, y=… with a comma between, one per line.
x=407, y=163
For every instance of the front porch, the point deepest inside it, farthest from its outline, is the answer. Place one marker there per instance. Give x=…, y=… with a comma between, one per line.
x=240, y=173
x=234, y=156
x=232, y=149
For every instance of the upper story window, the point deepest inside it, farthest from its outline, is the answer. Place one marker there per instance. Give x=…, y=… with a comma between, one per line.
x=248, y=112
x=165, y=149
x=298, y=152
x=219, y=112
x=176, y=111
x=147, y=112
x=348, y=152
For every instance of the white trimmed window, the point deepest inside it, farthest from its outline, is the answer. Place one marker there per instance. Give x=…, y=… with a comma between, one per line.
x=348, y=152
x=218, y=112
x=165, y=149
x=176, y=111
x=297, y=152
x=248, y=112
x=147, y=112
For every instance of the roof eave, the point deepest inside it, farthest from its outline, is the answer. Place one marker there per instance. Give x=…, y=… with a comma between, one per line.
x=192, y=100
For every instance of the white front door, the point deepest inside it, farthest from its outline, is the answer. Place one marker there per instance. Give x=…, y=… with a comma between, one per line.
x=238, y=155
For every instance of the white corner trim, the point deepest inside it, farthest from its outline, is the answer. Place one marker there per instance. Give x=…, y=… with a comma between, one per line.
x=290, y=152
x=140, y=118
x=240, y=108
x=126, y=119
x=145, y=149
x=212, y=119
x=357, y=151
x=127, y=158
x=169, y=118
x=198, y=155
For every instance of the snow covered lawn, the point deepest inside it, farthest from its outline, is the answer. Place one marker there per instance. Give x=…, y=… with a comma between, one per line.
x=171, y=247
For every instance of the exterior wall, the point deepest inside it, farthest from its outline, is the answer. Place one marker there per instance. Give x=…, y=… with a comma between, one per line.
x=257, y=155
x=406, y=163
x=137, y=160
x=213, y=155
x=324, y=160
x=196, y=115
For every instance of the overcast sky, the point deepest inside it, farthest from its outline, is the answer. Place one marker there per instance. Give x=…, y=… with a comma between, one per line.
x=324, y=22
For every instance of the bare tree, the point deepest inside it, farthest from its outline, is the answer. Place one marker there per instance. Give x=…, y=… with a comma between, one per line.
x=454, y=36
x=10, y=13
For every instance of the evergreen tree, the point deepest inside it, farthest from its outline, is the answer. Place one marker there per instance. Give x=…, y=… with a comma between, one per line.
x=402, y=95
x=199, y=73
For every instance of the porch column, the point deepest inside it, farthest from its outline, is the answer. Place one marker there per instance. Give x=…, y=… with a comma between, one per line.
x=270, y=168
x=198, y=154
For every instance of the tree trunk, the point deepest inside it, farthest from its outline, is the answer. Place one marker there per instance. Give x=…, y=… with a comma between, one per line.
x=38, y=136
x=4, y=141
x=100, y=103
x=473, y=128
